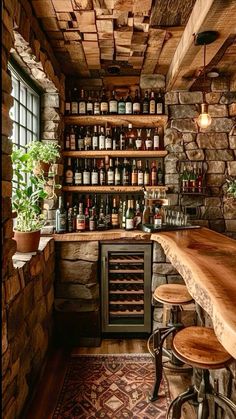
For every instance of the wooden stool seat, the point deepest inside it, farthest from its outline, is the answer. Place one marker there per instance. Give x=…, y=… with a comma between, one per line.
x=173, y=294
x=199, y=347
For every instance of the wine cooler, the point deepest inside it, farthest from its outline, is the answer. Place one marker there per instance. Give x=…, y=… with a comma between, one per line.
x=126, y=287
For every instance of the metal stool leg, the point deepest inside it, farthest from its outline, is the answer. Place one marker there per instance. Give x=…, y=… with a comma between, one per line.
x=176, y=404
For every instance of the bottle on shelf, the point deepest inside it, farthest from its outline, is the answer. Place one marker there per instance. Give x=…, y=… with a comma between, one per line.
x=110, y=174
x=129, y=216
x=115, y=139
x=67, y=138
x=128, y=104
x=69, y=175
x=138, y=215
x=107, y=213
x=77, y=174
x=152, y=104
x=130, y=135
x=113, y=104
x=192, y=179
x=124, y=205
x=134, y=174
x=80, y=219
x=74, y=213
x=88, y=140
x=86, y=173
x=160, y=175
x=140, y=173
x=117, y=173
x=94, y=174
x=199, y=181
x=147, y=174
x=80, y=139
x=101, y=139
x=121, y=106
x=95, y=138
x=89, y=105
x=101, y=223
x=61, y=217
x=148, y=141
x=115, y=214
x=82, y=103
x=159, y=104
x=136, y=103
x=139, y=140
x=184, y=180
x=74, y=102
x=108, y=139
x=93, y=220
x=103, y=103
x=68, y=104
x=153, y=174
x=96, y=106
x=125, y=173
x=156, y=139
x=145, y=104
x=102, y=174
x=157, y=218
x=72, y=138
x=86, y=214
x=122, y=138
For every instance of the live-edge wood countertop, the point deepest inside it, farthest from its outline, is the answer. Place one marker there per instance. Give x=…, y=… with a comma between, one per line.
x=118, y=234
x=207, y=262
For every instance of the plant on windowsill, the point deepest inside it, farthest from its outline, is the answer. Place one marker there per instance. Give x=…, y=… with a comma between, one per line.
x=26, y=199
x=43, y=155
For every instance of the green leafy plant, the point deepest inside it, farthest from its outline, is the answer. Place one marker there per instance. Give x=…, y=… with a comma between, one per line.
x=47, y=152
x=231, y=190
x=26, y=194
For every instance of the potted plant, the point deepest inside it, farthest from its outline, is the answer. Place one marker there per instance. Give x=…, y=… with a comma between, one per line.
x=28, y=190
x=42, y=155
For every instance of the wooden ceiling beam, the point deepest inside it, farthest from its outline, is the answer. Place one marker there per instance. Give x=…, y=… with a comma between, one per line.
x=206, y=15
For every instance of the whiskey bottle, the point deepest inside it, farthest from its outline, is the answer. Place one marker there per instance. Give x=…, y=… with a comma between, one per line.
x=94, y=174
x=69, y=175
x=86, y=215
x=160, y=180
x=136, y=103
x=139, y=140
x=156, y=139
x=110, y=174
x=104, y=103
x=89, y=105
x=74, y=102
x=148, y=141
x=108, y=139
x=130, y=137
x=134, y=174
x=128, y=105
x=86, y=173
x=115, y=215
x=101, y=139
x=113, y=104
x=153, y=174
x=117, y=173
x=93, y=220
x=60, y=217
x=121, y=106
x=80, y=219
x=140, y=173
x=82, y=103
x=147, y=174
x=152, y=104
x=102, y=174
x=146, y=104
x=77, y=174
x=95, y=138
x=159, y=104
x=129, y=216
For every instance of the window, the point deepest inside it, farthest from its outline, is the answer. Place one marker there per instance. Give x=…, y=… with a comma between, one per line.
x=25, y=112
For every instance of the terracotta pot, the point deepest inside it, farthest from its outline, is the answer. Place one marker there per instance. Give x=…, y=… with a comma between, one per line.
x=41, y=168
x=27, y=241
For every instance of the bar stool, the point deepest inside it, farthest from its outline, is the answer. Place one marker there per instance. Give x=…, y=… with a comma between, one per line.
x=199, y=347
x=174, y=295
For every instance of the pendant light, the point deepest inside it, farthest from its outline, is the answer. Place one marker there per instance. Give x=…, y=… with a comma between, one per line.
x=204, y=38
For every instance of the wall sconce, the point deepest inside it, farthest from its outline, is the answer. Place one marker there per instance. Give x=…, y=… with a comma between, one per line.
x=204, y=38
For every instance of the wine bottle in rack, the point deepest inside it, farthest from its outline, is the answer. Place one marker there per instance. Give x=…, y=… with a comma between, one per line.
x=80, y=139
x=140, y=173
x=82, y=103
x=108, y=139
x=156, y=139
x=80, y=219
x=101, y=139
x=77, y=174
x=117, y=173
x=129, y=216
x=160, y=175
x=67, y=138
x=110, y=174
x=139, y=140
x=95, y=138
x=72, y=138
x=68, y=104
x=74, y=102
x=104, y=103
x=88, y=140
x=125, y=173
x=121, y=106
x=136, y=103
x=159, y=104
x=147, y=174
x=115, y=214
x=148, y=141
x=152, y=104
x=93, y=220
x=61, y=217
x=86, y=173
x=153, y=174
x=94, y=174
x=113, y=104
x=122, y=138
x=89, y=105
x=69, y=175
x=128, y=104
x=134, y=174
x=102, y=174
x=146, y=104
x=96, y=105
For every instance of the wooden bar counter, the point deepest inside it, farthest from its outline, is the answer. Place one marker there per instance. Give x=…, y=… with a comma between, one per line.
x=207, y=262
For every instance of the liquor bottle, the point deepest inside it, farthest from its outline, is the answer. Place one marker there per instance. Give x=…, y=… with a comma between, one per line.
x=139, y=140
x=140, y=173
x=80, y=139
x=184, y=180
x=156, y=139
x=101, y=223
x=160, y=177
x=114, y=214
x=199, y=181
x=80, y=219
x=152, y=104
x=113, y=104
x=138, y=215
x=146, y=104
x=88, y=140
x=153, y=174
x=74, y=213
x=121, y=106
x=157, y=218
x=93, y=220
x=69, y=175
x=61, y=217
x=101, y=139
x=136, y=103
x=159, y=104
x=107, y=213
x=192, y=179
x=82, y=103
x=74, y=102
x=129, y=216
x=124, y=212
x=86, y=215
x=77, y=174
x=108, y=139
x=148, y=141
x=146, y=214
x=89, y=105
x=103, y=103
x=134, y=174
x=94, y=174
x=72, y=138
x=122, y=138
x=128, y=105
x=125, y=173
x=68, y=104
x=95, y=138
x=102, y=174
x=130, y=135
x=117, y=173
x=115, y=139
x=147, y=174
x=120, y=213
x=67, y=139
x=86, y=173
x=96, y=106
x=110, y=174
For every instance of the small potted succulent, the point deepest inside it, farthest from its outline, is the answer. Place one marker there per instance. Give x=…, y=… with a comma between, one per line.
x=42, y=155
x=28, y=191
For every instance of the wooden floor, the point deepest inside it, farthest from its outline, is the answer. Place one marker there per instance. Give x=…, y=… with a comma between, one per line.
x=45, y=399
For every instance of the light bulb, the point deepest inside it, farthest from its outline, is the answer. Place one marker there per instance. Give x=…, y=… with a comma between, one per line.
x=204, y=119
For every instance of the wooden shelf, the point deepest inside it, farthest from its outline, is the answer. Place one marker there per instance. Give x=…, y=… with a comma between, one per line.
x=115, y=153
x=111, y=189
x=118, y=120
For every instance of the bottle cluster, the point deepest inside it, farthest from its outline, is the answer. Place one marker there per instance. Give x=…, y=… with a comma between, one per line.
x=106, y=138
x=192, y=178
x=106, y=172
x=105, y=213
x=108, y=103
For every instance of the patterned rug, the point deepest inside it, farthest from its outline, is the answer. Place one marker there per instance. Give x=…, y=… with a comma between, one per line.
x=110, y=386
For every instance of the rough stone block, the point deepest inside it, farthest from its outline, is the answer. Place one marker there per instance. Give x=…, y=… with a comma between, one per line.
x=231, y=165
x=74, y=291
x=190, y=146
x=175, y=279
x=158, y=280
x=171, y=179
x=212, y=213
x=188, y=137
x=78, y=250
x=232, y=109
x=212, y=202
x=170, y=167
x=81, y=272
x=212, y=97
x=216, y=167
x=232, y=141
x=75, y=306
x=152, y=81
x=164, y=269
x=224, y=155
x=196, y=155
x=184, y=125
x=173, y=198
x=220, y=84
x=219, y=111
x=190, y=97
x=228, y=97
x=230, y=225
x=171, y=98
x=219, y=125
x=215, y=179
x=230, y=208
x=183, y=111
x=51, y=100
x=212, y=140
x=192, y=200
x=158, y=253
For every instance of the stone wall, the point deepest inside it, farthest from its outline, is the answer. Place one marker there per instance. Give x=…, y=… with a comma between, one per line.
x=27, y=325
x=77, y=299
x=215, y=145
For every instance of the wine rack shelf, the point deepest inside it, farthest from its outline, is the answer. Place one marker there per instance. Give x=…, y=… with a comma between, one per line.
x=117, y=120
x=111, y=189
x=115, y=153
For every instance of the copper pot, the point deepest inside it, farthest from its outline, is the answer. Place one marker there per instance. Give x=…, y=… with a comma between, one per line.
x=27, y=241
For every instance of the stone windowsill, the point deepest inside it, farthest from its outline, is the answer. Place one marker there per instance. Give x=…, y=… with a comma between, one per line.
x=46, y=245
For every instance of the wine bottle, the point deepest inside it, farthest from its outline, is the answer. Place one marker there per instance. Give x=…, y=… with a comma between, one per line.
x=125, y=173
x=86, y=173
x=61, y=217
x=153, y=174
x=95, y=138
x=107, y=213
x=86, y=215
x=88, y=140
x=122, y=138
x=110, y=174
x=128, y=104
x=93, y=220
x=96, y=106
x=147, y=174
x=101, y=223
x=69, y=175
x=130, y=137
x=134, y=174
x=113, y=104
x=72, y=138
x=101, y=139
x=89, y=105
x=80, y=219
x=108, y=139
x=146, y=104
x=104, y=103
x=115, y=139
x=80, y=139
x=152, y=104
x=140, y=173
x=157, y=218
x=121, y=106
x=160, y=180
x=124, y=212
x=94, y=174
x=77, y=174
x=136, y=103
x=67, y=138
x=115, y=214
x=159, y=104
x=138, y=215
x=117, y=173
x=82, y=103
x=156, y=139
x=68, y=104
x=74, y=102
x=139, y=141
x=102, y=174
x=129, y=216
x=148, y=141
